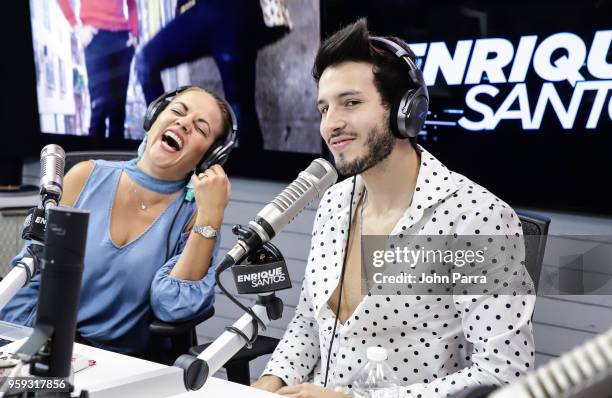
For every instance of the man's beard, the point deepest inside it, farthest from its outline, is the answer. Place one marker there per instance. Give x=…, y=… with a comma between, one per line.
x=379, y=146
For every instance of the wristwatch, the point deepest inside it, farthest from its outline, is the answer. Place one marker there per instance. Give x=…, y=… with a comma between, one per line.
x=206, y=231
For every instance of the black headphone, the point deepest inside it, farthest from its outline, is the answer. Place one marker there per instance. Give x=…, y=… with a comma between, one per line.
x=409, y=113
x=219, y=151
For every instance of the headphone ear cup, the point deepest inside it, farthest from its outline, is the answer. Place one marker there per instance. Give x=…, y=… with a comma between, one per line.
x=412, y=112
x=153, y=112
x=211, y=157
x=398, y=122
x=418, y=112
x=219, y=152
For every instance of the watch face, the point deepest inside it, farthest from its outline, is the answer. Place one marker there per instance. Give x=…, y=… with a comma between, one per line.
x=206, y=231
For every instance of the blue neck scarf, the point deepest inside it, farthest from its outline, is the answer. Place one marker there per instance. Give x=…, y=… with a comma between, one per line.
x=152, y=183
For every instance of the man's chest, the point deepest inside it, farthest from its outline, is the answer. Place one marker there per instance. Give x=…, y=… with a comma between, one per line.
x=354, y=285
x=327, y=255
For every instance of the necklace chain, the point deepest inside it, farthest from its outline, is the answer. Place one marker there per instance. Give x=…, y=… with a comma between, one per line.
x=142, y=206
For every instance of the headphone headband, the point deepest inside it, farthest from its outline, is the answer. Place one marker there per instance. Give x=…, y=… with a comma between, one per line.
x=219, y=151
x=395, y=49
x=409, y=113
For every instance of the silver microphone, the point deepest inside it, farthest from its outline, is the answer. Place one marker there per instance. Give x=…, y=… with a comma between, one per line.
x=274, y=217
x=52, y=161
x=584, y=372
x=51, y=184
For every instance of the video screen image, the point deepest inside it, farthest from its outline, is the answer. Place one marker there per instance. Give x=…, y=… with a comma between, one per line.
x=99, y=63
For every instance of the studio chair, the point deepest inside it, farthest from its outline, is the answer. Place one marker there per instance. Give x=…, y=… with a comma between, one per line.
x=75, y=157
x=14, y=207
x=169, y=340
x=535, y=231
x=237, y=368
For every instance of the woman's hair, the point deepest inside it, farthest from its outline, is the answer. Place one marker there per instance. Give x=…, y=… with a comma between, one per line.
x=352, y=43
x=226, y=119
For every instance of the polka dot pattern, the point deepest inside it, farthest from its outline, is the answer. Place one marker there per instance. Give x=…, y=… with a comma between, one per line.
x=437, y=344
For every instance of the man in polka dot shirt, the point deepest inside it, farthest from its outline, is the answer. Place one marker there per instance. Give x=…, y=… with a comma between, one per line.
x=438, y=344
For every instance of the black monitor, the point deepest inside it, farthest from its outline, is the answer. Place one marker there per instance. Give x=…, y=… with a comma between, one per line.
x=519, y=91
x=48, y=83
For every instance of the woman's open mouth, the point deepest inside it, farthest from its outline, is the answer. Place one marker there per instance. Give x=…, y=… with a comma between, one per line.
x=171, y=141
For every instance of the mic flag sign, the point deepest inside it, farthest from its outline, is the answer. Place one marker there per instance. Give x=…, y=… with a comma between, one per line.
x=261, y=278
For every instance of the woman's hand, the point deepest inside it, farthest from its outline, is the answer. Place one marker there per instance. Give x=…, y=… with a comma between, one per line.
x=85, y=34
x=212, y=191
x=132, y=41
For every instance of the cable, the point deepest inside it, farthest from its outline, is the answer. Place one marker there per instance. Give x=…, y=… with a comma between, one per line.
x=170, y=231
x=348, y=238
x=246, y=309
x=257, y=322
x=24, y=266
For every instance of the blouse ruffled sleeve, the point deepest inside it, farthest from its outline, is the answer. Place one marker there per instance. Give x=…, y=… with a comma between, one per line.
x=176, y=300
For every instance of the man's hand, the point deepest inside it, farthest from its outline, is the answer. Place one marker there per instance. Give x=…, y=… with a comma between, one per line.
x=269, y=383
x=307, y=390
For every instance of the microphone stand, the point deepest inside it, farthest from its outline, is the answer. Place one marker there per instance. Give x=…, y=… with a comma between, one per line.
x=197, y=369
x=245, y=330
x=34, y=231
x=52, y=161
x=48, y=350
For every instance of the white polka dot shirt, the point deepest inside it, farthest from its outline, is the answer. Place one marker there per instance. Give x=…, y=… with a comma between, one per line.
x=437, y=344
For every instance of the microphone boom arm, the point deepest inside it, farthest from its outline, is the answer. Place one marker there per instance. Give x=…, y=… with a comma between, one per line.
x=244, y=331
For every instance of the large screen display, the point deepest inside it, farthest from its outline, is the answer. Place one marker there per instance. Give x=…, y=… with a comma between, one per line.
x=99, y=63
x=519, y=91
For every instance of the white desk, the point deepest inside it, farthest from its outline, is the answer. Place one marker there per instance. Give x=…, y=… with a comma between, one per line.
x=112, y=369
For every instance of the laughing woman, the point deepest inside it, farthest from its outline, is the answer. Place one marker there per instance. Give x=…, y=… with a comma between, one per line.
x=150, y=248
